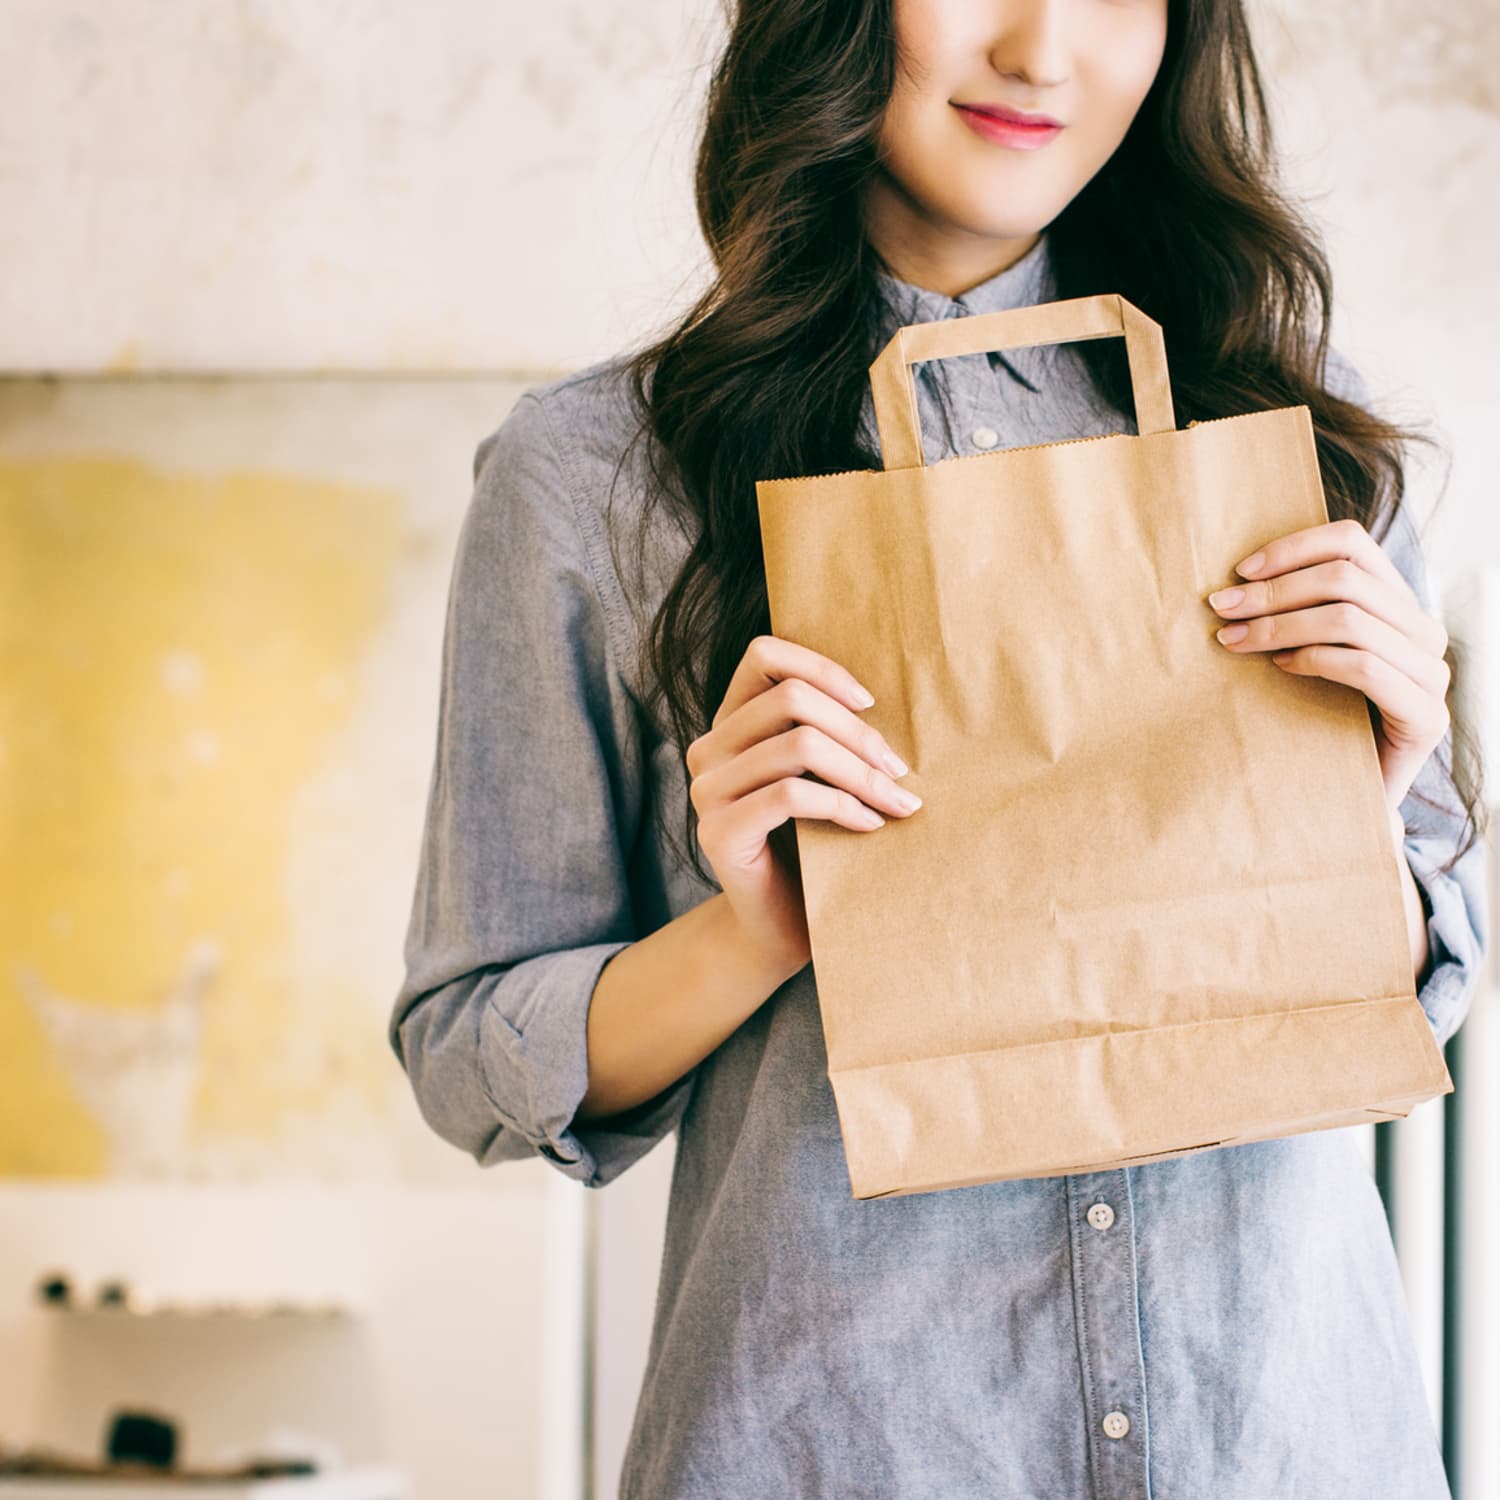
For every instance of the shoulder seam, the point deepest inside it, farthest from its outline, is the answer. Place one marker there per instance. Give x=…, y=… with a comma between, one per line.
x=590, y=535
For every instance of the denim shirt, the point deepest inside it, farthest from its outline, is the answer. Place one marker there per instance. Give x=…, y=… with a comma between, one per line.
x=1228, y=1324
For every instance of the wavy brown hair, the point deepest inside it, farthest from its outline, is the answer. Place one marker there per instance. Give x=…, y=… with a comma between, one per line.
x=764, y=377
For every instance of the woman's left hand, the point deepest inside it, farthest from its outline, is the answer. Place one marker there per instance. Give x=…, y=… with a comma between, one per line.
x=1330, y=603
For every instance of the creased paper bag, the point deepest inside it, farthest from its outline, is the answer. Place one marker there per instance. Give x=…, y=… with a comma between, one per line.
x=1151, y=903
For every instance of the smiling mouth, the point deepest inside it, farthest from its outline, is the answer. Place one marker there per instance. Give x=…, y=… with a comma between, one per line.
x=1008, y=135
x=1012, y=116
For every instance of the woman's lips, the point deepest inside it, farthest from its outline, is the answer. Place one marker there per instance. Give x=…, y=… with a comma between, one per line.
x=1007, y=132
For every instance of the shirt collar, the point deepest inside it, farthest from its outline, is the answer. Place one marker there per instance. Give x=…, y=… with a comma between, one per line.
x=1022, y=284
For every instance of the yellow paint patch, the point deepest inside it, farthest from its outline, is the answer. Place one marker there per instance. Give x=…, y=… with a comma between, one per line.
x=176, y=655
x=125, y=360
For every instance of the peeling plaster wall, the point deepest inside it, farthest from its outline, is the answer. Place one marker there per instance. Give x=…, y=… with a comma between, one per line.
x=223, y=788
x=417, y=185
x=1389, y=116
x=450, y=186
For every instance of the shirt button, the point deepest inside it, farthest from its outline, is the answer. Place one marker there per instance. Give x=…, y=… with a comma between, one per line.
x=1101, y=1215
x=984, y=437
x=1116, y=1424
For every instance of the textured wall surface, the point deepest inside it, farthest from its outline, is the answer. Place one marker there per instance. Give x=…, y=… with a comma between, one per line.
x=219, y=672
x=1390, y=125
x=415, y=185
x=220, y=627
x=454, y=186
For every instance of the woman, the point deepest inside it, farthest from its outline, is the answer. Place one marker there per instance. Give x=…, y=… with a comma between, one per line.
x=1229, y=1323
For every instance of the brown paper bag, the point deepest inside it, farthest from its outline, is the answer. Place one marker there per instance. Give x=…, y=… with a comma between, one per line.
x=1150, y=904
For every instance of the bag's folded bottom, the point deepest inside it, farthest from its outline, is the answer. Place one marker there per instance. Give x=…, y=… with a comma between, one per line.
x=1089, y=1103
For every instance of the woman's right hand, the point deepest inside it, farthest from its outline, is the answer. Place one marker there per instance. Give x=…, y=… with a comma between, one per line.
x=788, y=710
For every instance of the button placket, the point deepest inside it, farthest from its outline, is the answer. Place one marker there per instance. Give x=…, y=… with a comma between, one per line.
x=1106, y=1305
x=974, y=389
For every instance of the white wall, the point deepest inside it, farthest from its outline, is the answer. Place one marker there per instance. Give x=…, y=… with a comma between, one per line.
x=418, y=185
x=1390, y=120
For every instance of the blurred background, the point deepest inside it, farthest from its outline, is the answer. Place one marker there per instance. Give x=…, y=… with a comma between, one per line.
x=268, y=273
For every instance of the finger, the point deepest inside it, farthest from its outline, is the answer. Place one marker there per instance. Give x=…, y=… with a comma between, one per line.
x=796, y=701
x=747, y=823
x=1401, y=701
x=1323, y=543
x=1342, y=578
x=801, y=749
x=1346, y=624
x=771, y=658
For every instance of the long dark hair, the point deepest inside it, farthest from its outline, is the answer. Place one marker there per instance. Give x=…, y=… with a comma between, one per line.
x=765, y=375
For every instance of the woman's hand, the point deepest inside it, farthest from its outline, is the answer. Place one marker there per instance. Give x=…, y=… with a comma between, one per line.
x=788, y=710
x=1331, y=604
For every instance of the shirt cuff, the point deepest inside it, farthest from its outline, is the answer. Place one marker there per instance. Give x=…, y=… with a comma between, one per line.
x=1447, y=983
x=534, y=1067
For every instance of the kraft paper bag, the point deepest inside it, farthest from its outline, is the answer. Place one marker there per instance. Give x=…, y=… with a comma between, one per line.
x=1150, y=904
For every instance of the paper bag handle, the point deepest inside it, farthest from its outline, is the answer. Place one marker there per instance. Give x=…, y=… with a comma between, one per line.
x=1106, y=315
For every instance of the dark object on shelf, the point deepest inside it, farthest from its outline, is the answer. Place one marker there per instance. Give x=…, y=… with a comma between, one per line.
x=113, y=1294
x=47, y=1464
x=140, y=1438
x=55, y=1291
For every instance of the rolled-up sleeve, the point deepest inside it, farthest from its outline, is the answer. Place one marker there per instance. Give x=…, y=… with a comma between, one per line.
x=522, y=893
x=1454, y=900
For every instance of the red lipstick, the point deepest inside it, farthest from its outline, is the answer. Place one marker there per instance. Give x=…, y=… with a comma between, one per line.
x=1009, y=127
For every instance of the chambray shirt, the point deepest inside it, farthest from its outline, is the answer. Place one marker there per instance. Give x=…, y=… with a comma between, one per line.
x=1225, y=1325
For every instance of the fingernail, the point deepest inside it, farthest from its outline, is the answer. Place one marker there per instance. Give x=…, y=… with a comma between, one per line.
x=1233, y=633
x=1226, y=598
x=1251, y=563
x=863, y=696
x=893, y=763
x=909, y=800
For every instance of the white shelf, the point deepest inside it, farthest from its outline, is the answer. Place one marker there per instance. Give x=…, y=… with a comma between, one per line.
x=356, y=1484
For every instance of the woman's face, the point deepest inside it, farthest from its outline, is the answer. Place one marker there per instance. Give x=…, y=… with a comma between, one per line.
x=955, y=202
